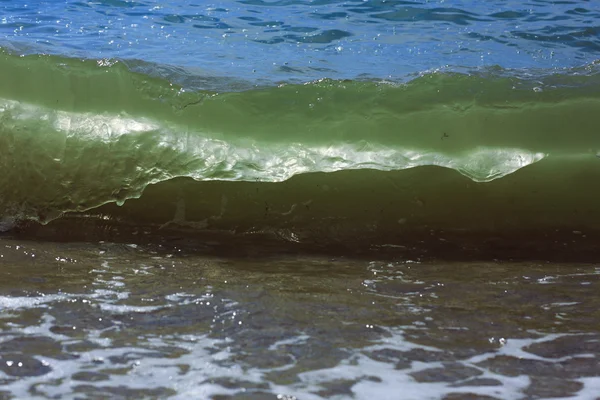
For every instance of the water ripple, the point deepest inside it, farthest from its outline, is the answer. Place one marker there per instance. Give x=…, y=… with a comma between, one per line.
x=251, y=38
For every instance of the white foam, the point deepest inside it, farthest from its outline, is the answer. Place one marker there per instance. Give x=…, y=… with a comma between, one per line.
x=249, y=160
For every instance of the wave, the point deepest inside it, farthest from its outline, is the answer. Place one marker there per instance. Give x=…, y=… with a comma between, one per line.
x=78, y=134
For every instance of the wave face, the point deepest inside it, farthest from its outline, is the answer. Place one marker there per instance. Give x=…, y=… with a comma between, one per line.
x=77, y=134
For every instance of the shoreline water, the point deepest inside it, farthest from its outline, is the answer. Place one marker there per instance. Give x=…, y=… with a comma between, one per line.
x=120, y=320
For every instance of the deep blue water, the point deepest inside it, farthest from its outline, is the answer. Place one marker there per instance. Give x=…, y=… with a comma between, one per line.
x=301, y=40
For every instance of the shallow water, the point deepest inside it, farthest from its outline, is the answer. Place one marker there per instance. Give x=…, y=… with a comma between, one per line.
x=107, y=320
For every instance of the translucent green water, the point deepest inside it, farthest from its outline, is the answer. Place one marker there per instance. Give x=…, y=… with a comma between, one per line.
x=475, y=152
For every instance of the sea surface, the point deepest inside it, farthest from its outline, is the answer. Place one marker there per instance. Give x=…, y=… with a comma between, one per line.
x=298, y=199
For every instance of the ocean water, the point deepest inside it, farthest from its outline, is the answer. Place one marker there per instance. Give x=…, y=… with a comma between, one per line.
x=299, y=199
x=115, y=96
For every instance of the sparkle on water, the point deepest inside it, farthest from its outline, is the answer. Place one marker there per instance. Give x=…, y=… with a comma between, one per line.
x=110, y=320
x=127, y=322
x=304, y=40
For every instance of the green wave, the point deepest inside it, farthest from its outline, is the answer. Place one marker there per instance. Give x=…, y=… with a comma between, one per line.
x=77, y=134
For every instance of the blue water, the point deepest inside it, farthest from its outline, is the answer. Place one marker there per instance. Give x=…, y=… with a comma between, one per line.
x=260, y=41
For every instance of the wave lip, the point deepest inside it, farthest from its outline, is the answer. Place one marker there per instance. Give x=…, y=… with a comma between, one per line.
x=485, y=165
x=63, y=161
